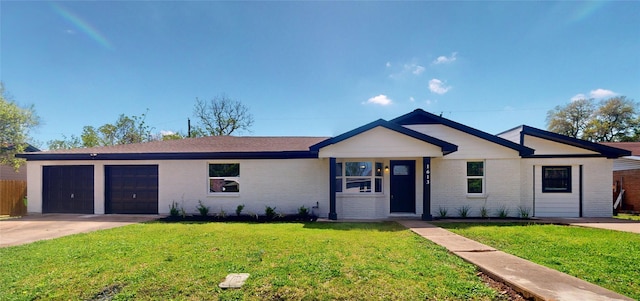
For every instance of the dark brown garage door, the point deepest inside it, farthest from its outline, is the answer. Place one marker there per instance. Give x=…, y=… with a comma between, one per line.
x=131, y=189
x=67, y=189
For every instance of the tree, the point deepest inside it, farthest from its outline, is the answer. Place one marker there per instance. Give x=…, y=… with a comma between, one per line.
x=15, y=124
x=126, y=130
x=221, y=116
x=615, y=119
x=571, y=120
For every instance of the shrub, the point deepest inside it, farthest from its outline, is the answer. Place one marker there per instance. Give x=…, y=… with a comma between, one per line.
x=464, y=210
x=303, y=211
x=270, y=212
x=442, y=211
x=174, y=211
x=239, y=209
x=202, y=208
x=524, y=211
x=484, y=212
x=503, y=211
x=221, y=213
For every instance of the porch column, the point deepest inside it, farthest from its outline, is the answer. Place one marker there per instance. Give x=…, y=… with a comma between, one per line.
x=332, y=189
x=426, y=189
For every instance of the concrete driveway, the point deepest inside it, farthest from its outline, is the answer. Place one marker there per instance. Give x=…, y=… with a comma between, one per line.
x=18, y=231
x=598, y=222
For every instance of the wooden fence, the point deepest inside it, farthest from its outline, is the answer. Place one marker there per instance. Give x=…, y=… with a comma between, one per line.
x=12, y=195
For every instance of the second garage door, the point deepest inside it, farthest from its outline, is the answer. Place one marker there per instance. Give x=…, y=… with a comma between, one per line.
x=131, y=189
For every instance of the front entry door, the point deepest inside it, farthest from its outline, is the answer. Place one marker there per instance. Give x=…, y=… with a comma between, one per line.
x=403, y=186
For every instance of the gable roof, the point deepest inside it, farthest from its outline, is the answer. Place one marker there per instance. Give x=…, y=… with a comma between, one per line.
x=604, y=150
x=419, y=116
x=211, y=147
x=446, y=147
x=633, y=147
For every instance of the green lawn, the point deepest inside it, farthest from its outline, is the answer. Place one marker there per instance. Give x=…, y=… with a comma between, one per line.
x=287, y=261
x=603, y=257
x=627, y=216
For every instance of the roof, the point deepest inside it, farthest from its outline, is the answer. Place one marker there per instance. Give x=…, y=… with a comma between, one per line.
x=633, y=147
x=191, y=148
x=604, y=150
x=419, y=116
x=446, y=147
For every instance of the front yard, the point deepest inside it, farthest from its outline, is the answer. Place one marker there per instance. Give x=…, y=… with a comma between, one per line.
x=604, y=257
x=287, y=261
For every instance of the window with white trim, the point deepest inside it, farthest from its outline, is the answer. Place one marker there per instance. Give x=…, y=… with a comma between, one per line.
x=475, y=177
x=359, y=177
x=224, y=178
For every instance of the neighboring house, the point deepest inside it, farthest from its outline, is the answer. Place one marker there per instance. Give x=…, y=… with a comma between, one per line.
x=626, y=175
x=9, y=173
x=411, y=166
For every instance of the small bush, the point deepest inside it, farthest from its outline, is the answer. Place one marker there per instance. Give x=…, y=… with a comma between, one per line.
x=443, y=211
x=503, y=211
x=484, y=212
x=524, y=212
x=204, y=210
x=183, y=212
x=239, y=209
x=174, y=210
x=464, y=210
x=303, y=211
x=221, y=213
x=270, y=212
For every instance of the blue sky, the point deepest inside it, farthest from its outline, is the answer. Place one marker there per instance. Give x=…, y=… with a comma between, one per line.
x=314, y=68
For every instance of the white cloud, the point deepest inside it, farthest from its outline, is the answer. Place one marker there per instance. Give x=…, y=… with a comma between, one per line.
x=388, y=64
x=445, y=60
x=578, y=96
x=596, y=94
x=381, y=99
x=602, y=93
x=438, y=87
x=165, y=133
x=411, y=99
x=418, y=70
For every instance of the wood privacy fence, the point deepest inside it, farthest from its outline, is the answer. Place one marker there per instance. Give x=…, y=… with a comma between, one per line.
x=12, y=195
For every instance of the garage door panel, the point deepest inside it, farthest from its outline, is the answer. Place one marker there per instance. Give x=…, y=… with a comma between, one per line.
x=131, y=189
x=68, y=189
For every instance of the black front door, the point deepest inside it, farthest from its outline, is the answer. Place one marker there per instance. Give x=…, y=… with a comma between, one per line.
x=403, y=186
x=131, y=189
x=67, y=189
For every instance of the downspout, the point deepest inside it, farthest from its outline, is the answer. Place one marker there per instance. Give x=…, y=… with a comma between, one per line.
x=332, y=189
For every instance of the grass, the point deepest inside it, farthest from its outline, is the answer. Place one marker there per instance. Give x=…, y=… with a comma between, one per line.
x=604, y=257
x=627, y=216
x=287, y=261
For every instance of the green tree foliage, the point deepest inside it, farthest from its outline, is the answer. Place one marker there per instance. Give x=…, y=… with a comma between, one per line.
x=614, y=119
x=15, y=124
x=126, y=130
x=221, y=116
x=571, y=120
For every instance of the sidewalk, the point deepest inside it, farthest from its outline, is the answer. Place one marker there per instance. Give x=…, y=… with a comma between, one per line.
x=597, y=222
x=530, y=279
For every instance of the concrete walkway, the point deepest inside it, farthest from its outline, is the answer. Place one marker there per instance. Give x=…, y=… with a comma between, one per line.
x=530, y=279
x=598, y=222
x=27, y=229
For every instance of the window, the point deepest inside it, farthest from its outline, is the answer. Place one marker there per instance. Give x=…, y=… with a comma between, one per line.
x=359, y=177
x=224, y=178
x=475, y=177
x=556, y=178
